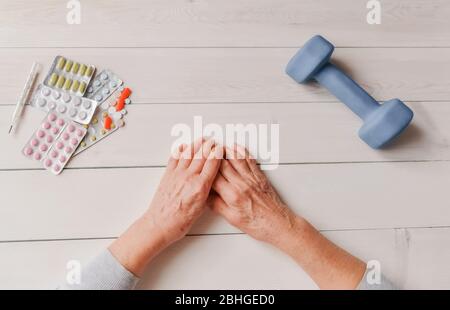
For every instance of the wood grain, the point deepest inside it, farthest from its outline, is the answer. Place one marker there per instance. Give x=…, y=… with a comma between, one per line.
x=200, y=23
x=94, y=203
x=412, y=258
x=218, y=75
x=308, y=133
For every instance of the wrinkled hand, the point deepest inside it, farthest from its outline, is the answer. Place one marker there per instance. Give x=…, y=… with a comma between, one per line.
x=182, y=193
x=247, y=200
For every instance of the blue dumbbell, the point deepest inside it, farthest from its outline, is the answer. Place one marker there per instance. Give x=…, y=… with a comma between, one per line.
x=382, y=122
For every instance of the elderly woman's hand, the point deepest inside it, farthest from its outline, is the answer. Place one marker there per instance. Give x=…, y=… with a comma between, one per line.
x=247, y=200
x=178, y=202
x=182, y=193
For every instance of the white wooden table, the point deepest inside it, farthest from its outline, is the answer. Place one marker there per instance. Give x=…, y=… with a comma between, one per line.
x=224, y=60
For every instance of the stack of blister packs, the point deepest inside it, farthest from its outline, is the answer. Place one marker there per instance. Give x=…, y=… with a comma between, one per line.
x=82, y=109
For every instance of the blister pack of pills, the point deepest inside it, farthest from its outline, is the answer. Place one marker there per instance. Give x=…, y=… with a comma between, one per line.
x=64, y=147
x=78, y=109
x=108, y=118
x=103, y=85
x=43, y=138
x=70, y=76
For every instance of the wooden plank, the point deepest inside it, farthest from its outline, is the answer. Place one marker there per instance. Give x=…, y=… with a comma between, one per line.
x=217, y=75
x=308, y=133
x=412, y=258
x=138, y=23
x=89, y=203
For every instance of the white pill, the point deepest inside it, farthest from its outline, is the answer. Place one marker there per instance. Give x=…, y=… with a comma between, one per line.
x=73, y=112
x=104, y=76
x=97, y=83
x=66, y=97
x=87, y=104
x=116, y=116
x=52, y=105
x=104, y=105
x=62, y=109
x=113, y=84
x=111, y=110
x=46, y=91
x=90, y=90
x=56, y=94
x=82, y=115
x=127, y=101
x=76, y=101
x=41, y=102
x=123, y=111
x=106, y=91
x=98, y=98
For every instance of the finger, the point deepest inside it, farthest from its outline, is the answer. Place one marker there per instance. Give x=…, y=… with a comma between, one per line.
x=188, y=154
x=237, y=160
x=201, y=155
x=212, y=164
x=230, y=174
x=218, y=205
x=175, y=156
x=227, y=191
x=251, y=162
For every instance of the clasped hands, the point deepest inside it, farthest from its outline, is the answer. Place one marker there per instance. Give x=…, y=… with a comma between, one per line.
x=228, y=180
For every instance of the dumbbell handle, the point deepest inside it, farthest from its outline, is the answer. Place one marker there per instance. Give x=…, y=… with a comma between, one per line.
x=346, y=90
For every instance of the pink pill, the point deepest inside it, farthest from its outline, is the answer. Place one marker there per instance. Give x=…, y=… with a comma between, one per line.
x=34, y=142
x=28, y=151
x=59, y=145
x=37, y=156
x=49, y=139
x=54, y=154
x=68, y=149
x=43, y=147
x=40, y=134
x=62, y=158
x=52, y=117
x=74, y=141
x=80, y=133
x=71, y=128
x=61, y=122
x=66, y=136
x=55, y=130
x=56, y=168
x=48, y=162
x=46, y=125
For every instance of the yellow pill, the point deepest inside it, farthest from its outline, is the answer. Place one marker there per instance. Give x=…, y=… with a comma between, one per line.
x=67, y=84
x=61, y=81
x=105, y=114
x=113, y=126
x=83, y=144
x=93, y=138
x=85, y=126
x=82, y=87
x=94, y=120
x=82, y=69
x=53, y=79
x=75, y=86
x=61, y=63
x=68, y=65
x=103, y=132
x=89, y=71
x=75, y=68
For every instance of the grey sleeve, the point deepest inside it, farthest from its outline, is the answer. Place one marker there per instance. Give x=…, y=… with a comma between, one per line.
x=104, y=273
x=371, y=284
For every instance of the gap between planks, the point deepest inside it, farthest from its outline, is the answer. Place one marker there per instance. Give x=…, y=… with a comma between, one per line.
x=226, y=234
